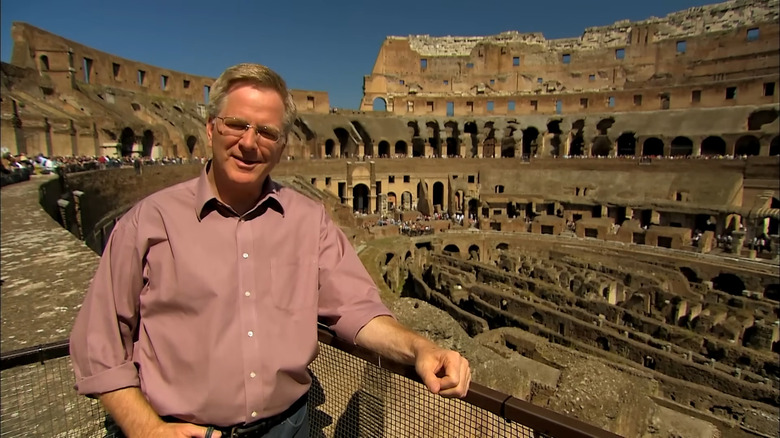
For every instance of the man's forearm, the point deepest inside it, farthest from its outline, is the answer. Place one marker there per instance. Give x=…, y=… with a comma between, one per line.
x=389, y=338
x=130, y=409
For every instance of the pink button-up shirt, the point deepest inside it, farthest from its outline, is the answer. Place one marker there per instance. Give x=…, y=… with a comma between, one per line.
x=214, y=315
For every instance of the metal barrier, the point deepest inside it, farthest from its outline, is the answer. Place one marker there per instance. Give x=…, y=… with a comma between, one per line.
x=355, y=393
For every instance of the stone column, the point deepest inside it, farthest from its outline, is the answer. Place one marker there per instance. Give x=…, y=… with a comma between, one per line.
x=428, y=149
x=518, y=138
x=481, y=145
x=464, y=145
x=738, y=240
x=361, y=149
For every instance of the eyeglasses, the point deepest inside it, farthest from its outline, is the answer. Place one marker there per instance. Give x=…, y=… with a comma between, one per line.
x=237, y=127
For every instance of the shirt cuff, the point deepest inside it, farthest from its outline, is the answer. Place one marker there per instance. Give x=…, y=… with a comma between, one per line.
x=122, y=376
x=348, y=327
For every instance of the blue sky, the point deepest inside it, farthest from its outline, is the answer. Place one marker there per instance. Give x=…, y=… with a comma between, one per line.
x=324, y=45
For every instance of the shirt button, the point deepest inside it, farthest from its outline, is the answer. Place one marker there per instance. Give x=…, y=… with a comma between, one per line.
x=252, y=374
x=254, y=414
x=250, y=334
x=246, y=256
x=247, y=293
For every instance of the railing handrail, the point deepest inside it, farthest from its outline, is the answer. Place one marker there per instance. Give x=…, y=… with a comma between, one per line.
x=511, y=409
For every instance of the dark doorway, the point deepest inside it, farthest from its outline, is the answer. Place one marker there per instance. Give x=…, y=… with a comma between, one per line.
x=774, y=146
x=400, y=148
x=682, y=147
x=384, y=149
x=434, y=137
x=347, y=147
x=360, y=198
x=330, y=147
x=712, y=146
x=191, y=142
x=747, y=145
x=438, y=194
x=601, y=146
x=530, y=135
x=626, y=144
x=147, y=142
x=729, y=283
x=653, y=147
x=126, y=141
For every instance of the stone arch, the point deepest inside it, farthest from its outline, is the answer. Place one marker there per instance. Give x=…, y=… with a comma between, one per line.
x=330, y=147
x=747, y=145
x=191, y=141
x=452, y=248
x=538, y=318
x=474, y=252
x=434, y=137
x=682, y=147
x=602, y=146
x=713, y=145
x=503, y=246
x=365, y=137
x=392, y=200
x=653, y=147
x=759, y=118
x=604, y=124
x=774, y=146
x=360, y=198
x=626, y=144
x=126, y=141
x=729, y=283
x=577, y=145
x=406, y=200
x=438, y=194
x=530, y=134
x=147, y=142
x=453, y=134
x=44, y=62
x=401, y=148
x=379, y=104
x=383, y=149
x=414, y=128
x=347, y=146
x=690, y=274
x=422, y=188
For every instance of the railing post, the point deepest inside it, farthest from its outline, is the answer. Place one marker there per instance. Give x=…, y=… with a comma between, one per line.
x=77, y=203
x=63, y=205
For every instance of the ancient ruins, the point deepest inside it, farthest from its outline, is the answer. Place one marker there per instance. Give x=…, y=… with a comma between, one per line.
x=594, y=221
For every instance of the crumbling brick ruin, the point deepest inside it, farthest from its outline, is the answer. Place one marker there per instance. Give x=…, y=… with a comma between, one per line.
x=611, y=187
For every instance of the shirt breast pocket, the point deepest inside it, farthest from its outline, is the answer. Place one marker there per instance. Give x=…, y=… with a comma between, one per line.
x=294, y=284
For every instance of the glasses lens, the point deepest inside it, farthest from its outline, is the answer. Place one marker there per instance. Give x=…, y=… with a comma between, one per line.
x=234, y=126
x=267, y=133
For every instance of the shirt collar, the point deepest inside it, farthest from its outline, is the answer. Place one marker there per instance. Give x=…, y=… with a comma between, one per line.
x=206, y=201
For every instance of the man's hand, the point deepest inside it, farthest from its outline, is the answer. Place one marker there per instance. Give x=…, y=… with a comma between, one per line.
x=444, y=372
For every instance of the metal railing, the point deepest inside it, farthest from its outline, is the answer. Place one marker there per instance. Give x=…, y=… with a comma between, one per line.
x=355, y=393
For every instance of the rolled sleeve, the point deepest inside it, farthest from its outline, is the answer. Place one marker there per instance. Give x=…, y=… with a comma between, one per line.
x=348, y=297
x=101, y=342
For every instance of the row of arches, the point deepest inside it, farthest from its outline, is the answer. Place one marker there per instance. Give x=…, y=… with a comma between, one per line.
x=361, y=197
x=128, y=140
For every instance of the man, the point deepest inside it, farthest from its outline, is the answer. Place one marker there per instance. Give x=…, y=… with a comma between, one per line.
x=202, y=314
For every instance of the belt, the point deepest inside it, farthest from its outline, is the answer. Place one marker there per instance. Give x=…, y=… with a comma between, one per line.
x=254, y=429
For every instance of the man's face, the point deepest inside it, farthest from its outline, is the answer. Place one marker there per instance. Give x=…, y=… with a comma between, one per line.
x=244, y=157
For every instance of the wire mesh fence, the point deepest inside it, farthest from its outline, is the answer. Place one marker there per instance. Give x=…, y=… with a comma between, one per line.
x=350, y=397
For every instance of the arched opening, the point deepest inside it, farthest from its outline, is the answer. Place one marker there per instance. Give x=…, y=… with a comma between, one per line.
x=713, y=146
x=453, y=134
x=147, y=142
x=434, y=137
x=508, y=144
x=774, y=146
x=690, y=274
x=451, y=249
x=760, y=118
x=406, y=200
x=400, y=148
x=360, y=198
x=44, y=63
x=626, y=144
x=380, y=104
x=473, y=205
x=577, y=147
x=414, y=129
x=530, y=135
x=602, y=145
x=538, y=318
x=471, y=129
x=653, y=147
x=368, y=144
x=729, y=283
x=604, y=124
x=384, y=149
x=772, y=292
x=682, y=147
x=191, y=142
x=502, y=246
x=747, y=145
x=438, y=194
x=418, y=147
x=330, y=147
x=408, y=255
x=391, y=201
x=603, y=343
x=474, y=253
x=389, y=257
x=348, y=147
x=422, y=189
x=126, y=142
